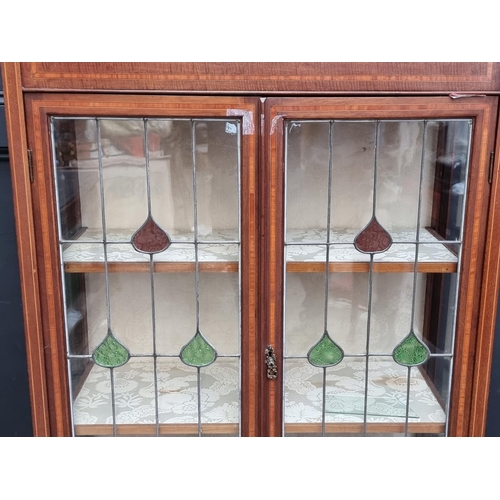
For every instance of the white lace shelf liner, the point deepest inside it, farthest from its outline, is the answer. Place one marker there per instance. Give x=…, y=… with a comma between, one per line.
x=179, y=256
x=89, y=257
x=220, y=409
x=345, y=398
x=177, y=397
x=432, y=255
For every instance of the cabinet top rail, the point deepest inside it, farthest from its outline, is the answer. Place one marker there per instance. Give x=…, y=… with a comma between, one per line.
x=264, y=78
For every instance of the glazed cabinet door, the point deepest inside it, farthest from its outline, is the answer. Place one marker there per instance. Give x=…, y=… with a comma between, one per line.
x=376, y=222
x=145, y=216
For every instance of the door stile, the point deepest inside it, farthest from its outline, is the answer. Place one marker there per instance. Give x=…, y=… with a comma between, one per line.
x=272, y=265
x=489, y=297
x=49, y=271
x=471, y=304
x=250, y=277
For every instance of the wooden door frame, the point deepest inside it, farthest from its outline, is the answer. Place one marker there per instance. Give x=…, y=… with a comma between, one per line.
x=472, y=359
x=38, y=108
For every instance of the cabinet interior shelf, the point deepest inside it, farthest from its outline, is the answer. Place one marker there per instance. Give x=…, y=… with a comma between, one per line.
x=219, y=399
x=86, y=255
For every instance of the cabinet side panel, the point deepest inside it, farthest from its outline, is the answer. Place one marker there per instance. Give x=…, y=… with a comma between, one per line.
x=26, y=244
x=14, y=391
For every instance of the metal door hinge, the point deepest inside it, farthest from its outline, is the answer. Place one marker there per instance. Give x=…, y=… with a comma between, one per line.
x=492, y=163
x=30, y=166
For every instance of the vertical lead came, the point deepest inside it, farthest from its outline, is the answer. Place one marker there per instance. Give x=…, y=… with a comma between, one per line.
x=197, y=352
x=326, y=352
x=411, y=351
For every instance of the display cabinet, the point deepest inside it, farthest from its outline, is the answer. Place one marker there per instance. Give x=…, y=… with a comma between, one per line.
x=254, y=265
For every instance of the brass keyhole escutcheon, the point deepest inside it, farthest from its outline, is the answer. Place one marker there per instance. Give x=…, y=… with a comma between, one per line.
x=272, y=367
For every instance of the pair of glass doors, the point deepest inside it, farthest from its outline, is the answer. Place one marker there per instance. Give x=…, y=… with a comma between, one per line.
x=240, y=266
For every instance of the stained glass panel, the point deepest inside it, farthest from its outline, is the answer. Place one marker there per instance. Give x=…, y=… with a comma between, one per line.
x=150, y=238
x=110, y=353
x=325, y=352
x=373, y=238
x=373, y=286
x=411, y=351
x=198, y=352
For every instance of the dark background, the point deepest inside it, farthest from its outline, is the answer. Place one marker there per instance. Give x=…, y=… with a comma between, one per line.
x=15, y=411
x=493, y=420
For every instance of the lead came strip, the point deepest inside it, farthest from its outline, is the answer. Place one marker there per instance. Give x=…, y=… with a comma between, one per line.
x=101, y=352
x=197, y=352
x=372, y=239
x=412, y=351
x=151, y=238
x=326, y=352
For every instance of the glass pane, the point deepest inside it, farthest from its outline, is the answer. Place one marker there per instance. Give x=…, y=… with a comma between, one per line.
x=305, y=302
x=217, y=180
x=307, y=160
x=151, y=273
x=77, y=173
x=353, y=154
x=371, y=281
x=398, y=172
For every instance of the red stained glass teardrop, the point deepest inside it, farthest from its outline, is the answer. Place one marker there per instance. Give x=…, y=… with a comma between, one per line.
x=150, y=238
x=373, y=238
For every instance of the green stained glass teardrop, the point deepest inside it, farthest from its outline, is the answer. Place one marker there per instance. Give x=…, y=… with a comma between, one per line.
x=110, y=353
x=198, y=352
x=411, y=351
x=325, y=352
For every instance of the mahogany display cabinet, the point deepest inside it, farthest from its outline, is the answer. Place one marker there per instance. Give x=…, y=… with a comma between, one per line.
x=256, y=249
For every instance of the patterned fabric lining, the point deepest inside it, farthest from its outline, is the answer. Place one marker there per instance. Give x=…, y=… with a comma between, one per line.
x=177, y=400
x=181, y=252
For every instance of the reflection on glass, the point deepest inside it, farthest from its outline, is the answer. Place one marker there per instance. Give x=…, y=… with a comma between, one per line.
x=399, y=159
x=217, y=180
x=77, y=176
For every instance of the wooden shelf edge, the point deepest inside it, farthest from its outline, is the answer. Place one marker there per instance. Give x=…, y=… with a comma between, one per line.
x=357, y=428
x=144, y=267
x=150, y=429
x=378, y=267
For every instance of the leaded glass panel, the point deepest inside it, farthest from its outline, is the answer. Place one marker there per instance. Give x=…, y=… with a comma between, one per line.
x=373, y=240
x=149, y=230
